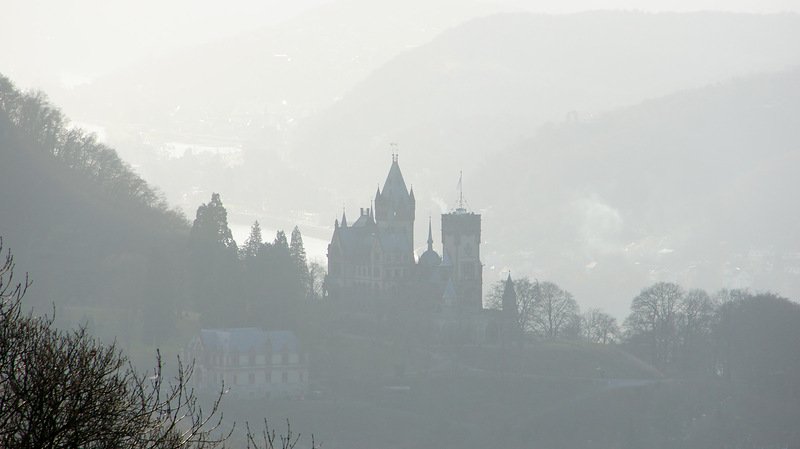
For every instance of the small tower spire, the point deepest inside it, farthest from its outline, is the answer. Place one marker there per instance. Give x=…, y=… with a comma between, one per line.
x=430, y=235
x=344, y=218
x=509, y=298
x=460, y=190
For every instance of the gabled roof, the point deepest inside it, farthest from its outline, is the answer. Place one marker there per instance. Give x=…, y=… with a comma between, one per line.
x=246, y=339
x=364, y=220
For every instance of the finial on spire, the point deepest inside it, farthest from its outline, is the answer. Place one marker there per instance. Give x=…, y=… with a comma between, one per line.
x=344, y=217
x=394, y=151
x=430, y=235
x=460, y=189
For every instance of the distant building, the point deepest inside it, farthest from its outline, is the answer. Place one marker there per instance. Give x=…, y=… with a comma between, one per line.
x=371, y=262
x=249, y=361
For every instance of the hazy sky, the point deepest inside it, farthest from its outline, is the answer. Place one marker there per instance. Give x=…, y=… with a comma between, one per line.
x=49, y=44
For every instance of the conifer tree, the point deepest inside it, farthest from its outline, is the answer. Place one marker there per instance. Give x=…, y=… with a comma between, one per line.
x=214, y=267
x=253, y=244
x=298, y=253
x=211, y=223
x=280, y=241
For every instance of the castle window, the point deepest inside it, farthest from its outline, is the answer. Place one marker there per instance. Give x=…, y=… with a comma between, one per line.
x=252, y=378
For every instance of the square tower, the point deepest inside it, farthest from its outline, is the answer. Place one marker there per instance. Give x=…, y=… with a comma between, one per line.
x=461, y=248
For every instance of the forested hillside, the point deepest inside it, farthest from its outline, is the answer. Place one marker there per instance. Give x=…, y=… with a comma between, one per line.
x=104, y=248
x=73, y=211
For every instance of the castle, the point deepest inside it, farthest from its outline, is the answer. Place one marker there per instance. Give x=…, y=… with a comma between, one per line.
x=371, y=264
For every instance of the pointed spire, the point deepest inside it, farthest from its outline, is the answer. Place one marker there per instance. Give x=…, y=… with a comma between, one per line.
x=430, y=235
x=344, y=219
x=395, y=185
x=509, y=296
x=460, y=190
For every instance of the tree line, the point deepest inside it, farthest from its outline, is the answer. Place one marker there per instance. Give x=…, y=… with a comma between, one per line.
x=31, y=117
x=107, y=247
x=547, y=311
x=261, y=283
x=678, y=331
x=66, y=389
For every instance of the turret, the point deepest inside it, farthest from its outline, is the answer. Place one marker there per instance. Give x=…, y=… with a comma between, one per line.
x=430, y=258
x=509, y=300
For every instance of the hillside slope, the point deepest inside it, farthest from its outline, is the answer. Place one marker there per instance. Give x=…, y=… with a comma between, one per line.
x=90, y=232
x=493, y=81
x=697, y=187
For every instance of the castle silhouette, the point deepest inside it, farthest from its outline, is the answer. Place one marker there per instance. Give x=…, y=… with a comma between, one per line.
x=372, y=266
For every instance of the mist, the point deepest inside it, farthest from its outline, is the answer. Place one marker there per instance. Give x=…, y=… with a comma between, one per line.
x=428, y=223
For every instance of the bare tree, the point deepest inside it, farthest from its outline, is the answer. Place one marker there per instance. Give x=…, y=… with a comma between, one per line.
x=599, y=327
x=554, y=311
x=653, y=321
x=268, y=439
x=65, y=389
x=316, y=275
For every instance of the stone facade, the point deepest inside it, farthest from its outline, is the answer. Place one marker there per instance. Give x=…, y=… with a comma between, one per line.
x=250, y=362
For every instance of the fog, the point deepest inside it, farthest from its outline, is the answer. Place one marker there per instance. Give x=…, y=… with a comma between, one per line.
x=427, y=223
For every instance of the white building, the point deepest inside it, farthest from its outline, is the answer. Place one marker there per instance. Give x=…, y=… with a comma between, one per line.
x=250, y=362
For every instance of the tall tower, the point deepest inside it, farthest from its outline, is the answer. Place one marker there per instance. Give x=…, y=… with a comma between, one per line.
x=394, y=214
x=461, y=241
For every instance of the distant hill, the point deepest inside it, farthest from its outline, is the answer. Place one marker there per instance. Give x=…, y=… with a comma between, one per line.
x=232, y=87
x=697, y=187
x=492, y=81
x=246, y=94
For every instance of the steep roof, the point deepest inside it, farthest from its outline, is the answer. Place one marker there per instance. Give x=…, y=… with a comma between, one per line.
x=509, y=295
x=395, y=185
x=246, y=339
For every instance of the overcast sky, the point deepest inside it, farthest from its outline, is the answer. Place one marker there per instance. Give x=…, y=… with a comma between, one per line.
x=49, y=44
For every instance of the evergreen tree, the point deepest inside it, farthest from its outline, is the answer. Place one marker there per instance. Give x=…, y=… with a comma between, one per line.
x=211, y=224
x=214, y=267
x=280, y=241
x=254, y=243
x=298, y=253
